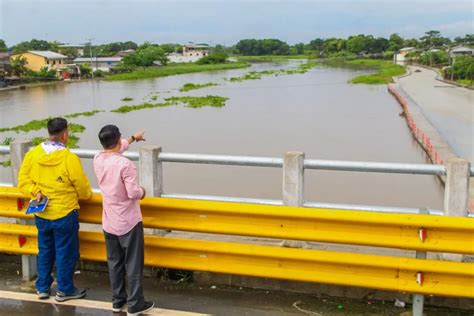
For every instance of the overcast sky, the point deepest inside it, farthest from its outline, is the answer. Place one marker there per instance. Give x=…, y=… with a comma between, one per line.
x=227, y=21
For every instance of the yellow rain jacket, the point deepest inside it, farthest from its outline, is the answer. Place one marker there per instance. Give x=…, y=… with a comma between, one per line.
x=59, y=176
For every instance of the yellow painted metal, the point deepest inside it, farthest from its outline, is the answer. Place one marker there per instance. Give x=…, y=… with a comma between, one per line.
x=443, y=278
x=444, y=234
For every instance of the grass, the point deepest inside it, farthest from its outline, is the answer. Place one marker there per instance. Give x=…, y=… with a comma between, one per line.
x=89, y=113
x=146, y=105
x=192, y=86
x=255, y=75
x=273, y=57
x=154, y=98
x=126, y=99
x=172, y=70
x=385, y=70
x=199, y=102
x=466, y=82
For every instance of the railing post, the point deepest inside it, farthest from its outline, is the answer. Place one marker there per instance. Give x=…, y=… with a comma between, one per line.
x=18, y=150
x=419, y=299
x=456, y=193
x=293, y=179
x=293, y=186
x=151, y=175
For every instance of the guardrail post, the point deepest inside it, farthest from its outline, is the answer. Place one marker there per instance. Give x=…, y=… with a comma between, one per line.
x=419, y=299
x=18, y=150
x=293, y=186
x=151, y=175
x=456, y=193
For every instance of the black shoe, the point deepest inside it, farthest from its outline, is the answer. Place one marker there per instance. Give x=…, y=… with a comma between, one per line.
x=118, y=307
x=147, y=306
x=78, y=293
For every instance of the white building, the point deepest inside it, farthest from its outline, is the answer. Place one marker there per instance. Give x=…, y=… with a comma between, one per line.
x=401, y=56
x=99, y=63
x=191, y=53
x=461, y=51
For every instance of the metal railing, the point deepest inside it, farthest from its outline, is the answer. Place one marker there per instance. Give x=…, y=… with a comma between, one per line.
x=274, y=162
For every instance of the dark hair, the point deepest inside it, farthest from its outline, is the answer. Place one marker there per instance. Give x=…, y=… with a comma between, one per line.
x=56, y=126
x=109, y=136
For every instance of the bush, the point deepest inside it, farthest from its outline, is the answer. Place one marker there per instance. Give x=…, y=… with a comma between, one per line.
x=463, y=68
x=434, y=58
x=99, y=73
x=86, y=70
x=216, y=58
x=44, y=73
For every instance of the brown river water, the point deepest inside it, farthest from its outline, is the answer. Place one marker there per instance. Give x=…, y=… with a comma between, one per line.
x=318, y=113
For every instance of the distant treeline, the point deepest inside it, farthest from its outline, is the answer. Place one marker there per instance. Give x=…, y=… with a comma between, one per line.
x=327, y=47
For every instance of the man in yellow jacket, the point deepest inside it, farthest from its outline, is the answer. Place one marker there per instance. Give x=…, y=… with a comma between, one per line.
x=51, y=170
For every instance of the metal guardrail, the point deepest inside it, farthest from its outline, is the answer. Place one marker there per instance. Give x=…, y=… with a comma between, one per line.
x=273, y=162
x=386, y=272
x=390, y=273
x=335, y=165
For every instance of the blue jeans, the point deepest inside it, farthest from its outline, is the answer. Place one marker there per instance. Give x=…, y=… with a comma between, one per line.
x=58, y=240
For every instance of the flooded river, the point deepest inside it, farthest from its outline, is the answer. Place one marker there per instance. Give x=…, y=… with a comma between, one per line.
x=318, y=113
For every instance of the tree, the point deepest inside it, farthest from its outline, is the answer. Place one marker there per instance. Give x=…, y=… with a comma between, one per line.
x=145, y=55
x=433, y=39
x=298, y=49
x=317, y=44
x=3, y=46
x=18, y=65
x=34, y=44
x=85, y=69
x=70, y=52
x=268, y=46
x=359, y=43
x=395, y=42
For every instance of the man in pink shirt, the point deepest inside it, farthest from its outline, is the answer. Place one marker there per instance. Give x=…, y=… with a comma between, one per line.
x=122, y=220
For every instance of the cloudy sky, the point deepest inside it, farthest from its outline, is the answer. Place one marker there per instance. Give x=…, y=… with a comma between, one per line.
x=227, y=21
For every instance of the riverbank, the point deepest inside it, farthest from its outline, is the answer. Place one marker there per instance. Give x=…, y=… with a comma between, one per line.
x=171, y=70
x=32, y=85
x=273, y=57
x=385, y=69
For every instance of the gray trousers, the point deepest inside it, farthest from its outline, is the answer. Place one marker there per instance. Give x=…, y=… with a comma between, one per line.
x=125, y=258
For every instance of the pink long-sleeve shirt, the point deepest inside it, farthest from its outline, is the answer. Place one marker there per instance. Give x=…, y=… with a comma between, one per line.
x=121, y=193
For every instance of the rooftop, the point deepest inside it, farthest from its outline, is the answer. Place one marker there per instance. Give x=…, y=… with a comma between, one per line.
x=88, y=59
x=47, y=54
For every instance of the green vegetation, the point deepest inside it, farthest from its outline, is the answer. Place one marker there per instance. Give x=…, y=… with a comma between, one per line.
x=463, y=69
x=273, y=57
x=466, y=82
x=154, y=98
x=212, y=59
x=89, y=113
x=171, y=70
x=126, y=99
x=385, y=69
x=255, y=75
x=144, y=56
x=192, y=86
x=146, y=105
x=199, y=102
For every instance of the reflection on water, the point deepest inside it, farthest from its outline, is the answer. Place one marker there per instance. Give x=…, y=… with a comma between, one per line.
x=317, y=113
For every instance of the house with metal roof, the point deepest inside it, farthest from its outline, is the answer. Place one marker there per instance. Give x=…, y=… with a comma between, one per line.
x=37, y=60
x=461, y=51
x=99, y=63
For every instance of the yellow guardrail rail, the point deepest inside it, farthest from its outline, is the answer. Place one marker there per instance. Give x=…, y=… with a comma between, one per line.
x=417, y=232
x=403, y=231
x=444, y=278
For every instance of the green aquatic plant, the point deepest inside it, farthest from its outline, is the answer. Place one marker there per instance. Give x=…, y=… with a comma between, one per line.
x=199, y=102
x=36, y=125
x=192, y=86
x=126, y=99
x=171, y=70
x=146, y=105
x=89, y=113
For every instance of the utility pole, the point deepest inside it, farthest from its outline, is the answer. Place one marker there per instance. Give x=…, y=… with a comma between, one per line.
x=90, y=52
